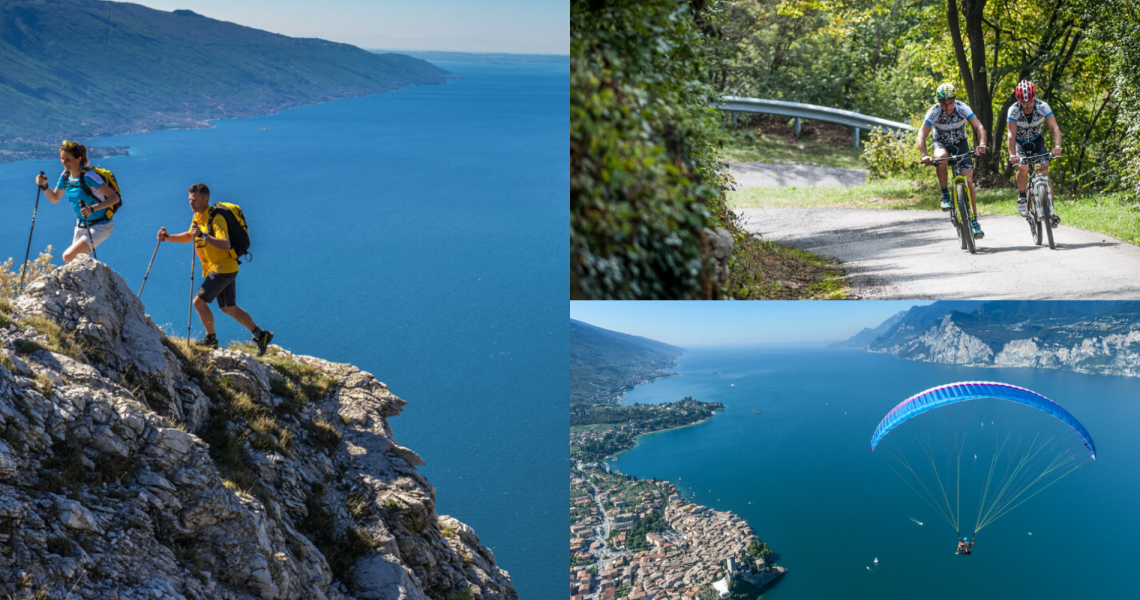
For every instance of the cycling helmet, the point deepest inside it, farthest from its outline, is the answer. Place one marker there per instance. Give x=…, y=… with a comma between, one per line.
x=945, y=91
x=1025, y=91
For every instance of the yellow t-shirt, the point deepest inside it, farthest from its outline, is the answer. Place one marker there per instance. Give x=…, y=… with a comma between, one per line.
x=214, y=259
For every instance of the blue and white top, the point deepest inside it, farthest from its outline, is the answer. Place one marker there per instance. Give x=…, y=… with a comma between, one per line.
x=75, y=192
x=1029, y=126
x=949, y=129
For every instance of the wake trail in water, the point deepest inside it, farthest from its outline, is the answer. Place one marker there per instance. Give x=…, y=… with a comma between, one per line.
x=915, y=520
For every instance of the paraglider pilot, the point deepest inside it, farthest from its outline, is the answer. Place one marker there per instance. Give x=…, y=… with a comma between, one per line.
x=964, y=546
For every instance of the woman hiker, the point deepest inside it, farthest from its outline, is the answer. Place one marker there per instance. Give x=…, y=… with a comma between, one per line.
x=90, y=195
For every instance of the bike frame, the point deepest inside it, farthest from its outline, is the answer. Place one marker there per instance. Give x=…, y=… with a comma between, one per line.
x=1040, y=198
x=1040, y=182
x=963, y=225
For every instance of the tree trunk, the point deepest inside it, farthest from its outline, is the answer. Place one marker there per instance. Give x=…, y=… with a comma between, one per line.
x=981, y=97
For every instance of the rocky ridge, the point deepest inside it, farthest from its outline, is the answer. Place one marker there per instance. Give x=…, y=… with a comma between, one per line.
x=133, y=466
x=1106, y=345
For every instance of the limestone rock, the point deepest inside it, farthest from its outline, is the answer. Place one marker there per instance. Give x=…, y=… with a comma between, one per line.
x=113, y=480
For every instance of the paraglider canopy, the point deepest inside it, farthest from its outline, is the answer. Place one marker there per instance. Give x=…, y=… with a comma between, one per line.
x=972, y=390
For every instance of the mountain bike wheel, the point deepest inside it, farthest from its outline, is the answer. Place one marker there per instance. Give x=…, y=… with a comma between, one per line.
x=1034, y=223
x=957, y=223
x=1047, y=208
x=966, y=229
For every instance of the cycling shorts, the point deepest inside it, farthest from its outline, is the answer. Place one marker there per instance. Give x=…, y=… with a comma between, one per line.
x=1033, y=147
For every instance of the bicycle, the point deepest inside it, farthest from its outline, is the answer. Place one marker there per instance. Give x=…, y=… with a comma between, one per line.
x=1039, y=200
x=962, y=202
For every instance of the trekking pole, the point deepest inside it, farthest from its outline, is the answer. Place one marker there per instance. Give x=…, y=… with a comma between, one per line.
x=141, y=287
x=28, y=252
x=189, y=313
x=90, y=236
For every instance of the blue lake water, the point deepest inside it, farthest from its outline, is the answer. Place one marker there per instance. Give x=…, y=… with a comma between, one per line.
x=803, y=475
x=420, y=235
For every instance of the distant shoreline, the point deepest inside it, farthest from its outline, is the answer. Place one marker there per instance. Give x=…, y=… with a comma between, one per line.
x=112, y=151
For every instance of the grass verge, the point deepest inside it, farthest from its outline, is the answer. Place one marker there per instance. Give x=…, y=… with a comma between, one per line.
x=773, y=140
x=1110, y=214
x=764, y=270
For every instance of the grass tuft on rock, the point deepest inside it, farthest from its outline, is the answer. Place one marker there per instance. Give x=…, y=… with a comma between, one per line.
x=56, y=339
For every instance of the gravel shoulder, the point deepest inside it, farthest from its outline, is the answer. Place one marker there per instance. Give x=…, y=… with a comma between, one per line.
x=913, y=255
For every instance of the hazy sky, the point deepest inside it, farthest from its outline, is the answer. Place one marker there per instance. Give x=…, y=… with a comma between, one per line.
x=515, y=26
x=715, y=323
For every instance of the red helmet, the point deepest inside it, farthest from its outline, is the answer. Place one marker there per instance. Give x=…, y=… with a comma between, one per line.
x=1025, y=91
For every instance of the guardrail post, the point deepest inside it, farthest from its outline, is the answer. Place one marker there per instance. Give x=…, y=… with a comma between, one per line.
x=797, y=127
x=856, y=140
x=734, y=113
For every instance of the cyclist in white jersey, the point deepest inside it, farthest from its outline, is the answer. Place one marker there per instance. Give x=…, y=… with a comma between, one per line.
x=1024, y=122
x=948, y=118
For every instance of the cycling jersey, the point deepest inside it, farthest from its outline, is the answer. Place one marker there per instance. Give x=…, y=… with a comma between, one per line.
x=949, y=129
x=1029, y=126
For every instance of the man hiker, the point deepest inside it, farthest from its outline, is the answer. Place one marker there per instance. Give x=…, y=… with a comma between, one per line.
x=211, y=236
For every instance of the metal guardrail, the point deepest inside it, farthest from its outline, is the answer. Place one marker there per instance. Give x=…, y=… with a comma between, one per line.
x=853, y=119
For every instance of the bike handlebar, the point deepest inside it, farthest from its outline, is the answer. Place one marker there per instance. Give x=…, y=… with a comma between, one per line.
x=1036, y=159
x=951, y=159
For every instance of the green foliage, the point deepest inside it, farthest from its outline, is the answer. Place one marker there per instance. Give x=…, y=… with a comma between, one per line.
x=888, y=155
x=644, y=173
x=758, y=549
x=463, y=594
x=742, y=589
x=654, y=522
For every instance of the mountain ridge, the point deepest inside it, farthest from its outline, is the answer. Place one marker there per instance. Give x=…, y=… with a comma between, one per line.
x=605, y=364
x=1098, y=337
x=79, y=69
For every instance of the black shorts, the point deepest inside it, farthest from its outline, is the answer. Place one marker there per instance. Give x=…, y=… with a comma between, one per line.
x=222, y=286
x=956, y=149
x=1033, y=147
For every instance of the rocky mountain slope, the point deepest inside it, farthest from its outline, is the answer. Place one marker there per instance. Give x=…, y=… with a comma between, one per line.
x=1101, y=338
x=133, y=466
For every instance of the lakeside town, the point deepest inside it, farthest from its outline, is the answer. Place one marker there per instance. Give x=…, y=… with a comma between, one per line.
x=601, y=430
x=639, y=539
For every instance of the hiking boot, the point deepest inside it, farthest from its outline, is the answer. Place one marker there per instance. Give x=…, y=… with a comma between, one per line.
x=1023, y=207
x=262, y=340
x=978, y=233
x=210, y=341
x=1056, y=220
x=946, y=202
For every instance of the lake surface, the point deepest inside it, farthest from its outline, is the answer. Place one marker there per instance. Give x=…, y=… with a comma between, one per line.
x=420, y=235
x=803, y=475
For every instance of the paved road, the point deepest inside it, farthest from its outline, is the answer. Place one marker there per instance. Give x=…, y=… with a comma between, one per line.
x=914, y=255
x=760, y=174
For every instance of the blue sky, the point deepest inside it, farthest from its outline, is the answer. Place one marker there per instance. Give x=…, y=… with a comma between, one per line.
x=690, y=324
x=514, y=26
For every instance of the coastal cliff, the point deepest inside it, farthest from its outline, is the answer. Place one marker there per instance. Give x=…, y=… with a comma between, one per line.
x=135, y=466
x=1108, y=344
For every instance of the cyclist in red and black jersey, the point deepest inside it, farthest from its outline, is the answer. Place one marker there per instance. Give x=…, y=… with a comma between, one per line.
x=1024, y=121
